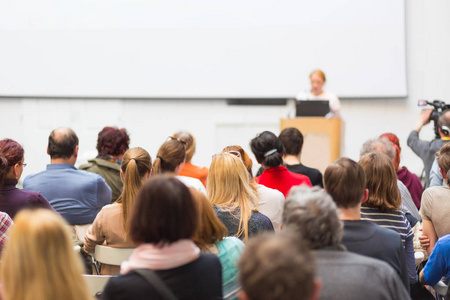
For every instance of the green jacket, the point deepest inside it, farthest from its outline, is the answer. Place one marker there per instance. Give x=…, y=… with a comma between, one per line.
x=110, y=171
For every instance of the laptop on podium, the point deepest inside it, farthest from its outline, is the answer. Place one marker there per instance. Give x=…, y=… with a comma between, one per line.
x=312, y=108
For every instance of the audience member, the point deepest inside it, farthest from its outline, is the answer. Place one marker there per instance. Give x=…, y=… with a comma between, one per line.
x=163, y=223
x=38, y=261
x=190, y=170
x=5, y=225
x=426, y=149
x=269, y=152
x=111, y=145
x=111, y=225
x=435, y=205
x=407, y=203
x=211, y=237
x=233, y=198
x=292, y=140
x=435, y=176
x=438, y=264
x=410, y=180
x=270, y=201
x=12, y=163
x=76, y=195
x=278, y=267
x=345, y=181
x=171, y=158
x=383, y=203
x=311, y=213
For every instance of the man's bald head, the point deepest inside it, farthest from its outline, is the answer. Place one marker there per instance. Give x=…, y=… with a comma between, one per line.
x=444, y=119
x=62, y=143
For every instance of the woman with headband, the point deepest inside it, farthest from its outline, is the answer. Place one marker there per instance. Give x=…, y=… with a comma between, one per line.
x=268, y=151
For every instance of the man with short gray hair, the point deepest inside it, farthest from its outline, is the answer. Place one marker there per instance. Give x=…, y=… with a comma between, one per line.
x=313, y=215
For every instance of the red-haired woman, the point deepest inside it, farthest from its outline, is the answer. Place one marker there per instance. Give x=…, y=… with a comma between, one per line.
x=11, y=167
x=112, y=143
x=410, y=180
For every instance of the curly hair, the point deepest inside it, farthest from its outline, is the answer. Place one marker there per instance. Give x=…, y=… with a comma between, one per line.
x=112, y=141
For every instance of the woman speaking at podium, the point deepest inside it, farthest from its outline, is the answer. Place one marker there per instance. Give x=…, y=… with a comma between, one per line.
x=318, y=80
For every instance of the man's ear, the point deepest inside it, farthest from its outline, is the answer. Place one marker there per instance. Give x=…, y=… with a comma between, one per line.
x=75, y=151
x=444, y=176
x=48, y=152
x=365, y=196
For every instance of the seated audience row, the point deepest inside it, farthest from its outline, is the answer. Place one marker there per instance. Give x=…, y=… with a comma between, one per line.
x=176, y=224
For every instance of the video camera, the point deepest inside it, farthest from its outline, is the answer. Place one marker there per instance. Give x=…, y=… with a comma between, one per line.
x=439, y=108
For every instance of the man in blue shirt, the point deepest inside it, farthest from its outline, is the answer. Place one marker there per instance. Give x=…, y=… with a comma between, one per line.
x=438, y=265
x=76, y=195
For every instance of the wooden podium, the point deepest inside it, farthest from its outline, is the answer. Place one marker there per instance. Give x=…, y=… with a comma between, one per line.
x=322, y=139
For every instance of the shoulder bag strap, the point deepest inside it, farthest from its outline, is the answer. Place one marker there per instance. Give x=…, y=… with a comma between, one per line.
x=153, y=279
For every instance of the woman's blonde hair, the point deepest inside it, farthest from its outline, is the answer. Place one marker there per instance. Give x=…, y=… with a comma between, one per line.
x=246, y=160
x=381, y=181
x=209, y=229
x=229, y=188
x=136, y=163
x=38, y=262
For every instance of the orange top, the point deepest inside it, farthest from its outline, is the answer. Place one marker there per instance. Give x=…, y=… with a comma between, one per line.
x=189, y=170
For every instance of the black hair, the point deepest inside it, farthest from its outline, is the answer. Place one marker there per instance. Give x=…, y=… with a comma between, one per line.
x=263, y=144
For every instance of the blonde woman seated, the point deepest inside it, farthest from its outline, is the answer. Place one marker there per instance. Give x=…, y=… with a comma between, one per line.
x=38, y=262
x=111, y=226
x=211, y=237
x=435, y=204
x=171, y=158
x=234, y=199
x=270, y=201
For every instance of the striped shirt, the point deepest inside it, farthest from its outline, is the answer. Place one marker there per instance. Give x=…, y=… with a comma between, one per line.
x=395, y=220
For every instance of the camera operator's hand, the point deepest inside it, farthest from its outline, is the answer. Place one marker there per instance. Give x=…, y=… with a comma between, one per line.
x=424, y=118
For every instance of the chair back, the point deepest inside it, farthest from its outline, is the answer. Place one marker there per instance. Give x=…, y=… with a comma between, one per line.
x=96, y=283
x=111, y=256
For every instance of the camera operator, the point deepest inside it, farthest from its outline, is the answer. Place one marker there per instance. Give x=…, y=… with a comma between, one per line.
x=426, y=150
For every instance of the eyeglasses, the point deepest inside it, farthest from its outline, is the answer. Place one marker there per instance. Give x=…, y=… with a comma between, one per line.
x=172, y=138
x=22, y=164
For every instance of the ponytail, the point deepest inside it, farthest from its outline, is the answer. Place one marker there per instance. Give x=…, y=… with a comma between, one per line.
x=157, y=165
x=170, y=155
x=132, y=181
x=135, y=165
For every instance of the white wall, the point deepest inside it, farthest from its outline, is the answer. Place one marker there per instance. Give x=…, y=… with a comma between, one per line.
x=216, y=125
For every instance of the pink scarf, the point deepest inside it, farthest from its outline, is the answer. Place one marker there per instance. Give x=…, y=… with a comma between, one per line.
x=148, y=256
